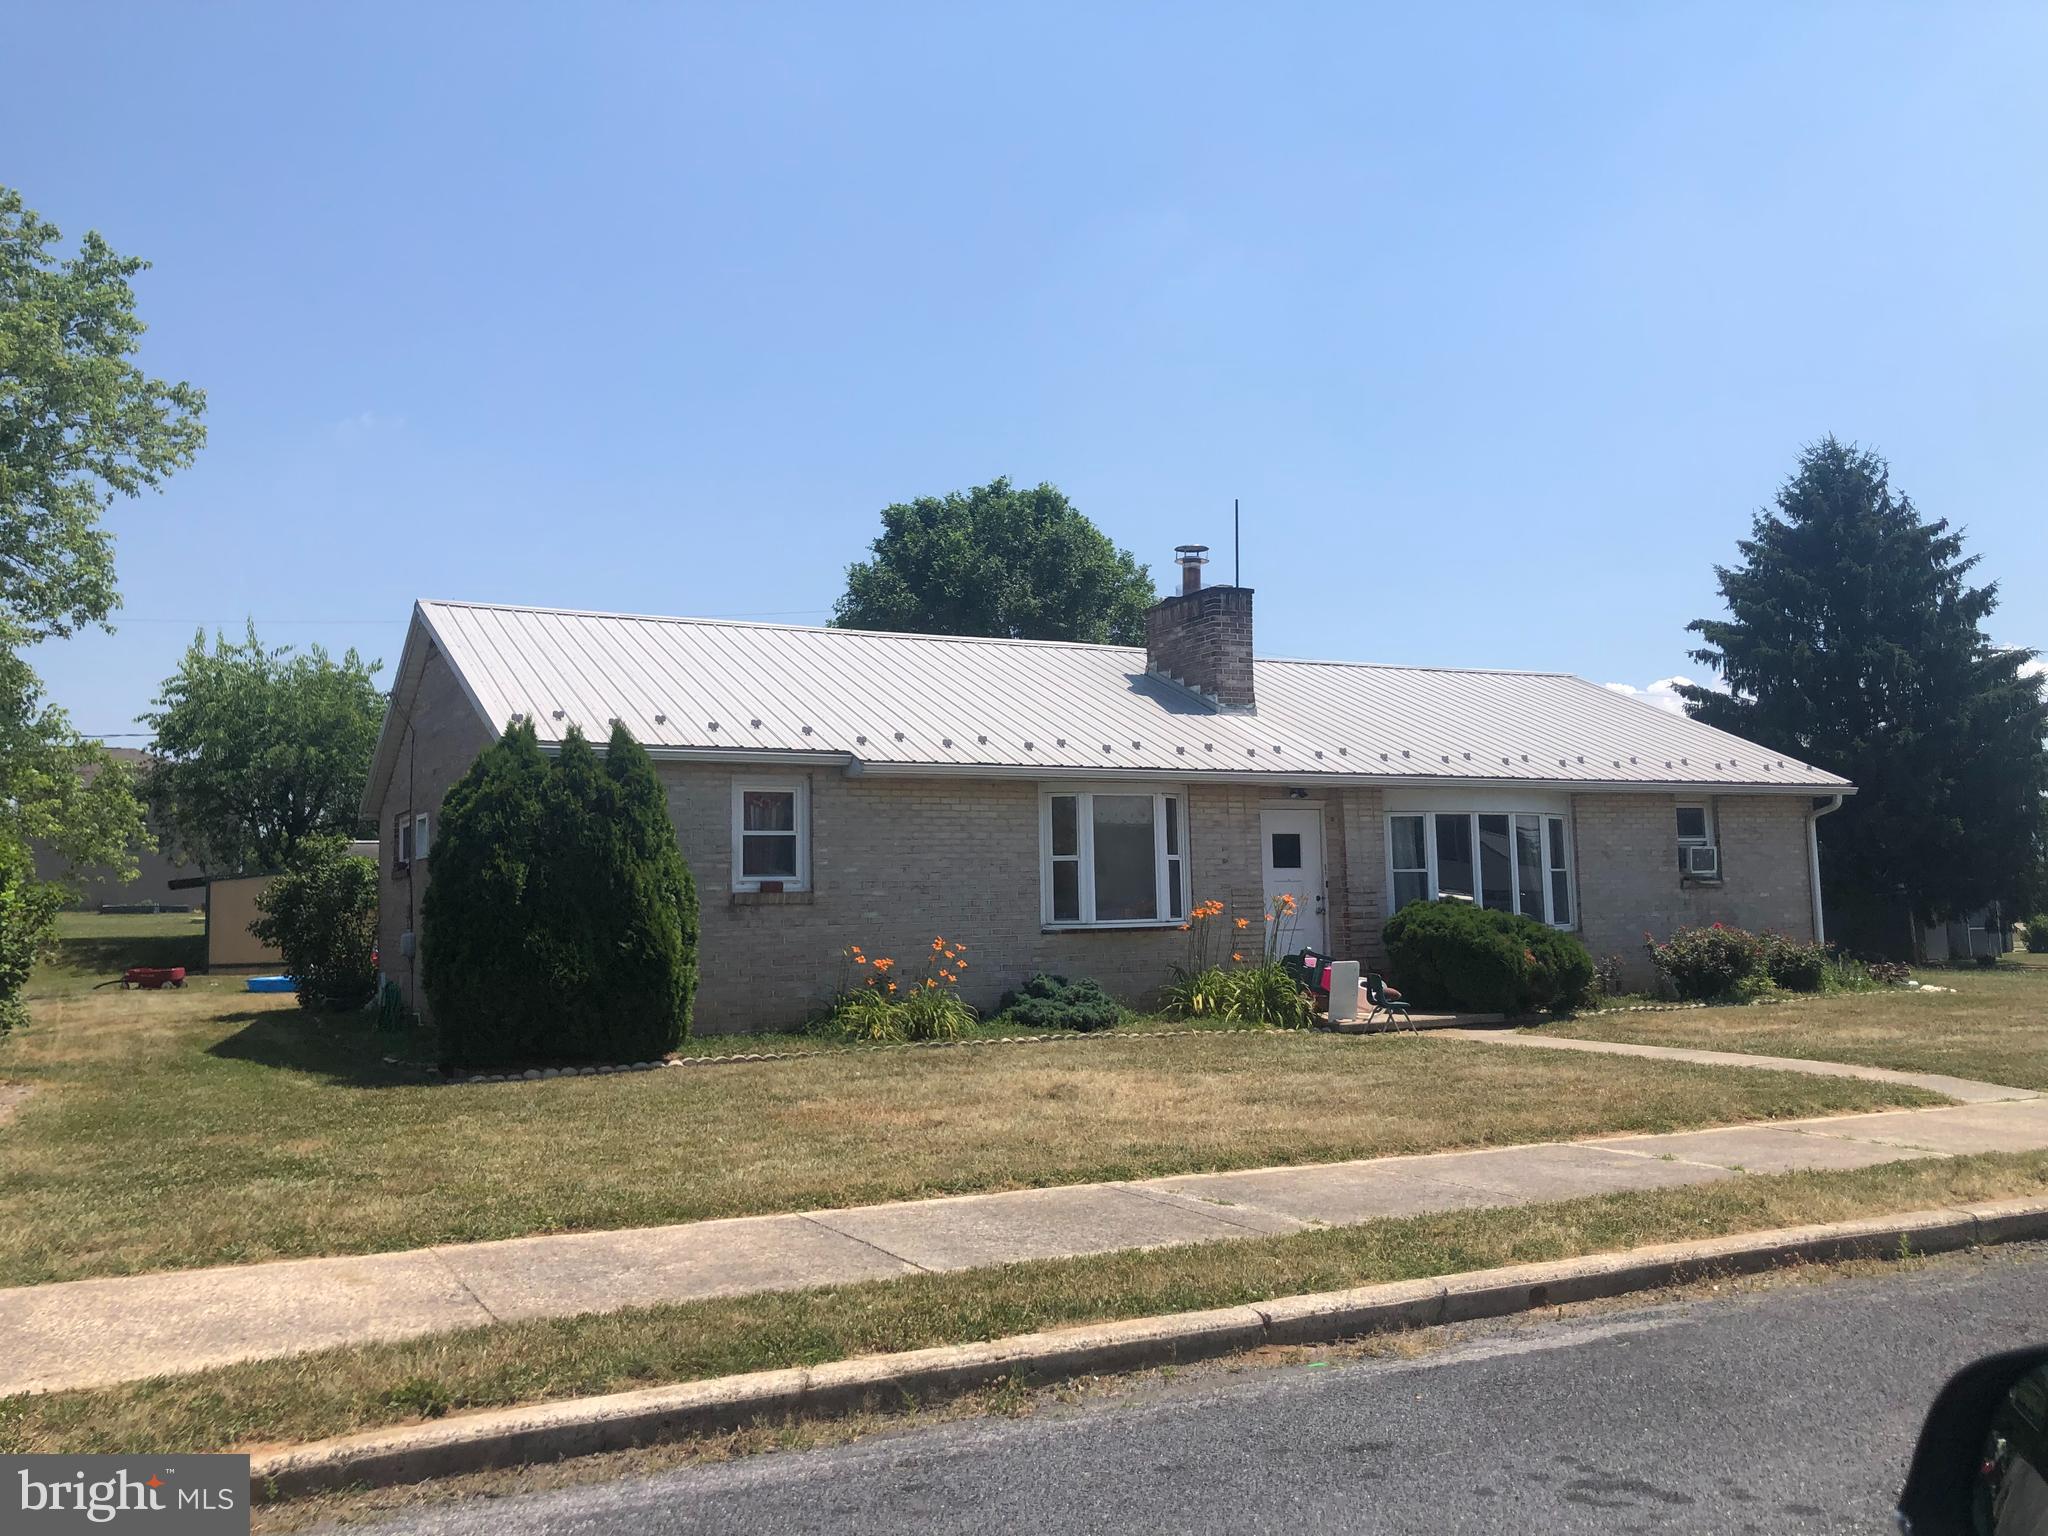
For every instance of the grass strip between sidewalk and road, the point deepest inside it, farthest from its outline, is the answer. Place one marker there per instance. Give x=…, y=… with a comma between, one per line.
x=338, y=1391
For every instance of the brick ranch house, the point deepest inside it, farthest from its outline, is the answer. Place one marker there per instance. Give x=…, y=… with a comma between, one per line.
x=1059, y=807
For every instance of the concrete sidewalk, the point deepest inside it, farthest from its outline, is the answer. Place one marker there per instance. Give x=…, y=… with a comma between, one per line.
x=93, y=1332
x=1963, y=1089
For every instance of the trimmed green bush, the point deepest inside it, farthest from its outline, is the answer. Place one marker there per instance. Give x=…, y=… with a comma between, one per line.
x=561, y=922
x=322, y=914
x=1053, y=1002
x=2037, y=934
x=1792, y=965
x=28, y=916
x=1706, y=963
x=1452, y=955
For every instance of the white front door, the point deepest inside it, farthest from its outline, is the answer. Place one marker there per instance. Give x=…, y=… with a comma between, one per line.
x=1291, y=856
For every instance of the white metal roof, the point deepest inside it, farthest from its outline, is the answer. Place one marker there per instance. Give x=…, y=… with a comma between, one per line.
x=925, y=703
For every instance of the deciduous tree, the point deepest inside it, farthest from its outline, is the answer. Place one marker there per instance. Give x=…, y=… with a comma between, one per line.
x=259, y=750
x=997, y=561
x=80, y=423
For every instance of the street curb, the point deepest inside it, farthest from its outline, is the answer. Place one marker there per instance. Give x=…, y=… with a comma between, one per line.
x=621, y=1421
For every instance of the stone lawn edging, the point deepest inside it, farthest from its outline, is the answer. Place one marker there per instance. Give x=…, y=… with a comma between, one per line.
x=1066, y=1037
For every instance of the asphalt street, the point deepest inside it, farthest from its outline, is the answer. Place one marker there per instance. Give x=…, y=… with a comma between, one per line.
x=1785, y=1410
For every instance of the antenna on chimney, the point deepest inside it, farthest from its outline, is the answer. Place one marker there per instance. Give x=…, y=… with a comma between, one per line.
x=1236, y=548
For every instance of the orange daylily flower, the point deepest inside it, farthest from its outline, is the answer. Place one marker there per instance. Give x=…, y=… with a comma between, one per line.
x=892, y=986
x=1244, y=922
x=929, y=982
x=1237, y=957
x=1183, y=927
x=963, y=965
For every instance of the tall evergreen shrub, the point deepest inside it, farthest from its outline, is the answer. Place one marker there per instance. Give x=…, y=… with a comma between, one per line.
x=561, y=920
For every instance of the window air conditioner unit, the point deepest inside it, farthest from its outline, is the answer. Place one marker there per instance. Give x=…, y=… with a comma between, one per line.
x=1701, y=861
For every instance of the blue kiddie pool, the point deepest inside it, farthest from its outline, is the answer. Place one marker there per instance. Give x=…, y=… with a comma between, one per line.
x=271, y=984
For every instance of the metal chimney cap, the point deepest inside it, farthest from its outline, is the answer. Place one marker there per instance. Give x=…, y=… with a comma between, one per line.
x=1190, y=554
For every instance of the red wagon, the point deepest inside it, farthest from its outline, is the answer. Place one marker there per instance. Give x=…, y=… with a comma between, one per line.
x=151, y=977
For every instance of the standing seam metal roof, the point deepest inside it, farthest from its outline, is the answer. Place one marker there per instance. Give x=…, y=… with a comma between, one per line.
x=914, y=702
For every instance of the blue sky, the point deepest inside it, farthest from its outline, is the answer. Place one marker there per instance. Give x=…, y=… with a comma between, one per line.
x=1501, y=321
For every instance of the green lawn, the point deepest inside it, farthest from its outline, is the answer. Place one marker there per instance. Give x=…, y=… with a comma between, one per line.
x=93, y=950
x=171, y=1129
x=1993, y=1027
x=340, y=1390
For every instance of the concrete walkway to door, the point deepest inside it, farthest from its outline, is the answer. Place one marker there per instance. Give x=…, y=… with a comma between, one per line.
x=92, y=1332
x=1964, y=1089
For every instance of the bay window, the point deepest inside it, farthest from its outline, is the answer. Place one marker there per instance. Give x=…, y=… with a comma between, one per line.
x=1507, y=860
x=1112, y=857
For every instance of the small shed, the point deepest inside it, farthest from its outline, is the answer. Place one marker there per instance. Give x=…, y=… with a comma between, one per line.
x=230, y=904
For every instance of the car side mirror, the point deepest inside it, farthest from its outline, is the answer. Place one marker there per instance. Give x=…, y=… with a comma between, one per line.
x=1981, y=1468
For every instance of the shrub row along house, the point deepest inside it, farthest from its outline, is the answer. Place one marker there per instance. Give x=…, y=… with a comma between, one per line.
x=1062, y=807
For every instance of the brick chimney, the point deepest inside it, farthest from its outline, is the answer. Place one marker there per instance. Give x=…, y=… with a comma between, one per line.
x=1202, y=638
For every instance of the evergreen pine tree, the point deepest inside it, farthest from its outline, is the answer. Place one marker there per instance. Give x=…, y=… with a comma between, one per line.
x=1854, y=642
x=650, y=980
x=476, y=921
x=561, y=922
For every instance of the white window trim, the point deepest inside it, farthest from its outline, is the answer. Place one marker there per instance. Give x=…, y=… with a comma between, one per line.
x=401, y=841
x=422, y=842
x=1084, y=854
x=801, y=818
x=1706, y=810
x=1571, y=878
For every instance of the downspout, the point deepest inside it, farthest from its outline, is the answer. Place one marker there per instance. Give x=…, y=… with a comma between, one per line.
x=1834, y=804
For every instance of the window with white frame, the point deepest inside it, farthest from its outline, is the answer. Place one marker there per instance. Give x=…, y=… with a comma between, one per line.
x=1112, y=857
x=401, y=841
x=1695, y=827
x=1508, y=860
x=419, y=835
x=771, y=836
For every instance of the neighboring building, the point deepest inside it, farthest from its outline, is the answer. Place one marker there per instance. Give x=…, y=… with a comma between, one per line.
x=1058, y=807
x=96, y=888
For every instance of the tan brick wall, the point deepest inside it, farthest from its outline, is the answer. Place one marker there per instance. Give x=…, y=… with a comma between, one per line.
x=896, y=861
x=443, y=739
x=1358, y=876
x=1627, y=852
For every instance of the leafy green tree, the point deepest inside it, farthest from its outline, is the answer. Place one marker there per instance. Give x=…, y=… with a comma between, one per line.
x=58, y=788
x=561, y=922
x=997, y=561
x=28, y=913
x=1854, y=641
x=259, y=750
x=79, y=422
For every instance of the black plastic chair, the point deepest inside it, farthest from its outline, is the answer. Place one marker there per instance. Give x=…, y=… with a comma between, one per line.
x=1384, y=1001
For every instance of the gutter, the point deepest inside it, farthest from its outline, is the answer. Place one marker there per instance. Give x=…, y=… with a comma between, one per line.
x=1820, y=932
x=854, y=767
